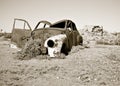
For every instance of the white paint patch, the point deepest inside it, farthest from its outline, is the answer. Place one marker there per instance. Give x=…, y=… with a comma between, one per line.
x=58, y=40
x=15, y=47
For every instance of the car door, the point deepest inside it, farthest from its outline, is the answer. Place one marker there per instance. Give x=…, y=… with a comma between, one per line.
x=72, y=34
x=21, y=32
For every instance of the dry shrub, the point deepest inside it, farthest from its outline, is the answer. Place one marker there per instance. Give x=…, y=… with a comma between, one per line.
x=109, y=41
x=31, y=49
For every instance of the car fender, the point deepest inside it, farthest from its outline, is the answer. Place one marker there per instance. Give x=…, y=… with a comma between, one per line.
x=54, y=45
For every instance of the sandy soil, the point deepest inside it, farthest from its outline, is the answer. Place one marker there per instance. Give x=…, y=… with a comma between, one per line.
x=98, y=65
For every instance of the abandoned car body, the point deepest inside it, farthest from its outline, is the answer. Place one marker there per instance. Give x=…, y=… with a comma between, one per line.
x=58, y=38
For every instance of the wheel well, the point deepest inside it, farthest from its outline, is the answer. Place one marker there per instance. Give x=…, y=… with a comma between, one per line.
x=64, y=49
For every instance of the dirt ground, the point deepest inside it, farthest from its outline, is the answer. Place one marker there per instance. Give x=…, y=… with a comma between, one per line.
x=98, y=65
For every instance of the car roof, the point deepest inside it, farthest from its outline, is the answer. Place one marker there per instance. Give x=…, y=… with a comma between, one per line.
x=65, y=20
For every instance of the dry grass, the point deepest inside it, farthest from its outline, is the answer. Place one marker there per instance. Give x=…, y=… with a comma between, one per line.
x=109, y=41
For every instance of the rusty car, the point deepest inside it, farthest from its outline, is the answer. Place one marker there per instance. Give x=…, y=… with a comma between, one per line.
x=58, y=38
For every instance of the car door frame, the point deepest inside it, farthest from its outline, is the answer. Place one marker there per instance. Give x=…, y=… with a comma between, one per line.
x=21, y=35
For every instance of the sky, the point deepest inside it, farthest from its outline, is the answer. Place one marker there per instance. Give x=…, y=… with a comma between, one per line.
x=82, y=12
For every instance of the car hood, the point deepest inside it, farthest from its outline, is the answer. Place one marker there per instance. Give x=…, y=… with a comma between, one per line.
x=45, y=33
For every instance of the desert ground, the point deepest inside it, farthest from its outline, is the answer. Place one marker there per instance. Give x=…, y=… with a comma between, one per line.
x=98, y=65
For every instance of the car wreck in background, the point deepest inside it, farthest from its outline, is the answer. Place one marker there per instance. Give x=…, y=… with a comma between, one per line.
x=55, y=38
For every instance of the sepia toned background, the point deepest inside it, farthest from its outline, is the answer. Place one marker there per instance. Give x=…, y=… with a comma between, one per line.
x=96, y=63
x=82, y=12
